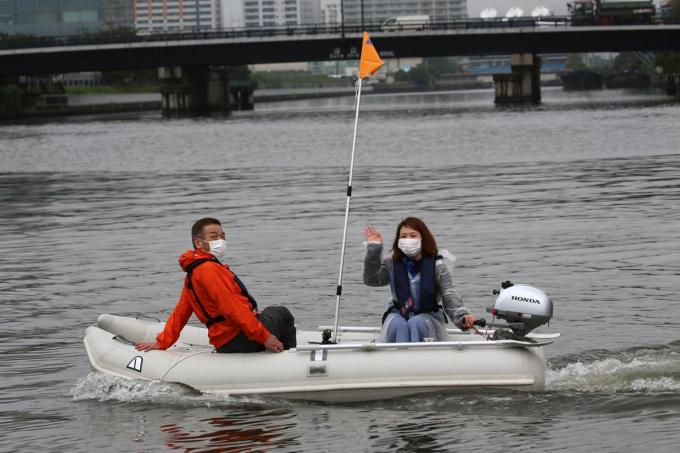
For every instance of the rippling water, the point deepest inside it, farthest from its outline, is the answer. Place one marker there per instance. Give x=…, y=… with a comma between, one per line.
x=579, y=196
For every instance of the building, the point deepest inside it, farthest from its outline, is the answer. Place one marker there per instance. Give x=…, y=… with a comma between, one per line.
x=376, y=11
x=271, y=13
x=315, y=12
x=232, y=14
x=119, y=13
x=168, y=16
x=331, y=12
x=275, y=13
x=310, y=12
x=63, y=17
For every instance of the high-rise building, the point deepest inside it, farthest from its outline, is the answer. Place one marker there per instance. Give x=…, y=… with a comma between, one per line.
x=376, y=11
x=232, y=13
x=330, y=10
x=314, y=12
x=310, y=12
x=271, y=13
x=6, y=13
x=167, y=16
x=119, y=13
x=63, y=17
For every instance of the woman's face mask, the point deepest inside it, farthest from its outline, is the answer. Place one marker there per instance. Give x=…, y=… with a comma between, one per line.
x=410, y=247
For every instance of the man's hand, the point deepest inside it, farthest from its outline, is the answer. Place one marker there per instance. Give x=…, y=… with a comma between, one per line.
x=468, y=321
x=273, y=344
x=146, y=347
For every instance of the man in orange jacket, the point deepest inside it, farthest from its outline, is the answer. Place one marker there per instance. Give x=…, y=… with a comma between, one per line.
x=221, y=302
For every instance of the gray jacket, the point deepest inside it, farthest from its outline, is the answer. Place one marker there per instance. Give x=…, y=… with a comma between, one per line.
x=379, y=272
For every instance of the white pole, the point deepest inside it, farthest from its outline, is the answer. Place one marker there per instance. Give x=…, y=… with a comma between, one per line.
x=338, y=291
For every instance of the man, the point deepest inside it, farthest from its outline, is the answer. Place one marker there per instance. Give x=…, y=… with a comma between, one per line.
x=221, y=302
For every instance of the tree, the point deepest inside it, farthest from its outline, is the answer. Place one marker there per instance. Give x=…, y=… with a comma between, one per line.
x=420, y=75
x=627, y=61
x=575, y=61
x=670, y=61
x=441, y=65
x=401, y=76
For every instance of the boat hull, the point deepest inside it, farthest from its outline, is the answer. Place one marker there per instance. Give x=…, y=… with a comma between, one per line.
x=362, y=371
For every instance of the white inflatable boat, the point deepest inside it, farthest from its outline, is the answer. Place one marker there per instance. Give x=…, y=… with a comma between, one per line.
x=357, y=368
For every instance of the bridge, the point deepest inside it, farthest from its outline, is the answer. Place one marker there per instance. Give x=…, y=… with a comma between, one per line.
x=323, y=43
x=194, y=66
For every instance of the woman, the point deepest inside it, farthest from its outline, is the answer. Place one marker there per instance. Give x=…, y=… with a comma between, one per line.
x=420, y=282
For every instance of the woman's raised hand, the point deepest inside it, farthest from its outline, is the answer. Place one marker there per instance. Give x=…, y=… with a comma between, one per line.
x=372, y=235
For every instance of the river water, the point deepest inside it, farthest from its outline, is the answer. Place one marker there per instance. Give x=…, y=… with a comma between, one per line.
x=579, y=196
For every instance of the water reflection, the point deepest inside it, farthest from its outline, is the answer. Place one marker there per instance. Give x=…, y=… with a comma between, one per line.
x=256, y=429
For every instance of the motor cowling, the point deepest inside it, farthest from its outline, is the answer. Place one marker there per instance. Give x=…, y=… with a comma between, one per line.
x=523, y=307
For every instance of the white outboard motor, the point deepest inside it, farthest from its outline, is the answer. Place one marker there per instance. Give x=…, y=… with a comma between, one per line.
x=523, y=307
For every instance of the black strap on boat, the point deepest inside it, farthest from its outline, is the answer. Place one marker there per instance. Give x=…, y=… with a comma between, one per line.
x=209, y=320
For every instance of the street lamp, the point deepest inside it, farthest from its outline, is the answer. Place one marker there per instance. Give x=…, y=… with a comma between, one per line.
x=362, y=15
x=342, y=18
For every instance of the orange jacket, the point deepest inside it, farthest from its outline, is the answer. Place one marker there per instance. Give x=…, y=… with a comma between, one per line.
x=220, y=295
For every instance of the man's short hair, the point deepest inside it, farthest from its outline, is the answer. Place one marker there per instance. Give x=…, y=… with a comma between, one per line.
x=197, y=228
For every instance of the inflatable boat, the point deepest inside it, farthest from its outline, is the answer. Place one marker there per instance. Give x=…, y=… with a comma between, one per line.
x=356, y=367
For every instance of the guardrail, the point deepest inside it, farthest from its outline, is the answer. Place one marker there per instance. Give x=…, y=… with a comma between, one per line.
x=109, y=37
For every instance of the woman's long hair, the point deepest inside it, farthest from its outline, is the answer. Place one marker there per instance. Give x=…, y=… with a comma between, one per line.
x=428, y=244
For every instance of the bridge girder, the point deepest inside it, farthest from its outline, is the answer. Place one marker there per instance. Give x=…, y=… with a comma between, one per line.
x=227, y=52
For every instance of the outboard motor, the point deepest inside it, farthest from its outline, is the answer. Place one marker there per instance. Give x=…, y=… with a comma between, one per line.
x=523, y=307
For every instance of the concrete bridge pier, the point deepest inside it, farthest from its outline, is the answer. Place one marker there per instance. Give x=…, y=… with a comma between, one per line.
x=523, y=84
x=200, y=90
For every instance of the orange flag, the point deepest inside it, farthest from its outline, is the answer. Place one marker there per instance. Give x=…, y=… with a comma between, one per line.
x=370, y=60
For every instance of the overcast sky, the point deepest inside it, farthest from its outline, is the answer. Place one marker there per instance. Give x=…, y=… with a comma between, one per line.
x=558, y=7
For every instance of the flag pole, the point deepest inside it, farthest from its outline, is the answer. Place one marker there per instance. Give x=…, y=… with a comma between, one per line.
x=338, y=291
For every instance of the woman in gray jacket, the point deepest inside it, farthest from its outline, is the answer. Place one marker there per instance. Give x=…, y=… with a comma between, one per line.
x=420, y=282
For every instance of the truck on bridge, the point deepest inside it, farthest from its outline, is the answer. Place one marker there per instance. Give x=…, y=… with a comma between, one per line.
x=400, y=23
x=611, y=12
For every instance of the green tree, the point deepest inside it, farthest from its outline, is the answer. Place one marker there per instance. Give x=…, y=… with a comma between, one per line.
x=627, y=61
x=420, y=75
x=670, y=61
x=11, y=101
x=401, y=76
x=575, y=61
x=441, y=65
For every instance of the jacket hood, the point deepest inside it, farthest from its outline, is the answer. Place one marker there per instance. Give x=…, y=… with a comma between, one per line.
x=190, y=256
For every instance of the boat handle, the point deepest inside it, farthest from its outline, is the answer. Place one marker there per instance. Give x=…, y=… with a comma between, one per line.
x=123, y=340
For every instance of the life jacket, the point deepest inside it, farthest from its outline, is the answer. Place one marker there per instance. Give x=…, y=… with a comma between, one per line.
x=209, y=319
x=428, y=292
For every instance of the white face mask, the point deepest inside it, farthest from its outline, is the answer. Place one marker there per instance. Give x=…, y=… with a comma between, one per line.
x=218, y=248
x=410, y=247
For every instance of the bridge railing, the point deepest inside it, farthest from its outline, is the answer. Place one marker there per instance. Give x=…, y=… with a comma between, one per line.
x=348, y=30
x=338, y=31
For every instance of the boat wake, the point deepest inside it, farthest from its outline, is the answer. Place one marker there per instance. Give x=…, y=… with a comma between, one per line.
x=101, y=387
x=652, y=369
